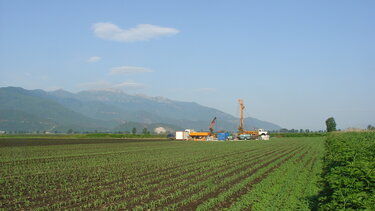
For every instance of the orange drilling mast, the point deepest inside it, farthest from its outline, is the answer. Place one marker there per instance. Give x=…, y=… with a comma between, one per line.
x=241, y=129
x=202, y=135
x=242, y=107
x=212, y=124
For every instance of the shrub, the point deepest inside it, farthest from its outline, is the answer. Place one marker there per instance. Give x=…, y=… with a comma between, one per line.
x=348, y=174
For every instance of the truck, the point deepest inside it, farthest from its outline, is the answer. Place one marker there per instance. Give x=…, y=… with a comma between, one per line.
x=204, y=135
x=260, y=134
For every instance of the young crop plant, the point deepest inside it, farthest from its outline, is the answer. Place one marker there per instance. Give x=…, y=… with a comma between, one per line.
x=349, y=172
x=67, y=174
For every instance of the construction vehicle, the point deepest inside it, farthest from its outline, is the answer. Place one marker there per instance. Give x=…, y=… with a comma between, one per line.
x=247, y=135
x=204, y=135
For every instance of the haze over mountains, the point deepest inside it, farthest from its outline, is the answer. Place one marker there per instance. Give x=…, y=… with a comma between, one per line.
x=107, y=110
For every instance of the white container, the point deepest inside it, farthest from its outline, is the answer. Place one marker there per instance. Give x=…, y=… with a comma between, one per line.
x=265, y=137
x=182, y=135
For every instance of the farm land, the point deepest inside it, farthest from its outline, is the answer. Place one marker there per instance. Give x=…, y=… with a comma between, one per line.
x=92, y=174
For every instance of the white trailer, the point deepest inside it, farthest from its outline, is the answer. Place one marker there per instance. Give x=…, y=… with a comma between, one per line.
x=182, y=135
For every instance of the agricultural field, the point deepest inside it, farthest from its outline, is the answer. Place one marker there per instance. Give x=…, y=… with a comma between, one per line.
x=93, y=174
x=349, y=172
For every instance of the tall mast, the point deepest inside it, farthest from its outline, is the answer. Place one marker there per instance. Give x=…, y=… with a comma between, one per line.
x=242, y=107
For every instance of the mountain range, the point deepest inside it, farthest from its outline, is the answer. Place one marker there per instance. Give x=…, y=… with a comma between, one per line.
x=107, y=111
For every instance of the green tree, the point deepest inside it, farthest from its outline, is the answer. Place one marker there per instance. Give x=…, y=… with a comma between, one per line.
x=283, y=130
x=145, y=131
x=331, y=124
x=134, y=130
x=370, y=127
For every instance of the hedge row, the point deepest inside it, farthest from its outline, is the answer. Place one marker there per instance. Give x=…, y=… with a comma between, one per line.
x=315, y=134
x=349, y=172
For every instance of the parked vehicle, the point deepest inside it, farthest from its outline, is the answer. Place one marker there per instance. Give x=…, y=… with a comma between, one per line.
x=246, y=137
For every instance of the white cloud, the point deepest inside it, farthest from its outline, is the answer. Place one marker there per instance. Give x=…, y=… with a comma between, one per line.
x=94, y=59
x=128, y=84
x=110, y=85
x=141, y=32
x=129, y=70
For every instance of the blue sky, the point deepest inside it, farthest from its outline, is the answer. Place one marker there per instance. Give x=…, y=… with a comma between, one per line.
x=295, y=63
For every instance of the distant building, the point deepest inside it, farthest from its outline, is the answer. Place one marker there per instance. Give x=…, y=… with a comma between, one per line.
x=2, y=132
x=160, y=130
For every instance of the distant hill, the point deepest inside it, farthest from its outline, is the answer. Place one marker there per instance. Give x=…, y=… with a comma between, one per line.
x=20, y=106
x=13, y=120
x=128, y=127
x=107, y=110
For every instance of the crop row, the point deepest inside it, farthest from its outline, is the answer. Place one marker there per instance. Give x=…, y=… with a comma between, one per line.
x=89, y=185
x=136, y=183
x=169, y=185
x=290, y=187
x=158, y=175
x=349, y=172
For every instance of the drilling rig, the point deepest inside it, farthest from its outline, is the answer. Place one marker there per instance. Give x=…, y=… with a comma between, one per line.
x=242, y=133
x=211, y=125
x=242, y=108
x=204, y=135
